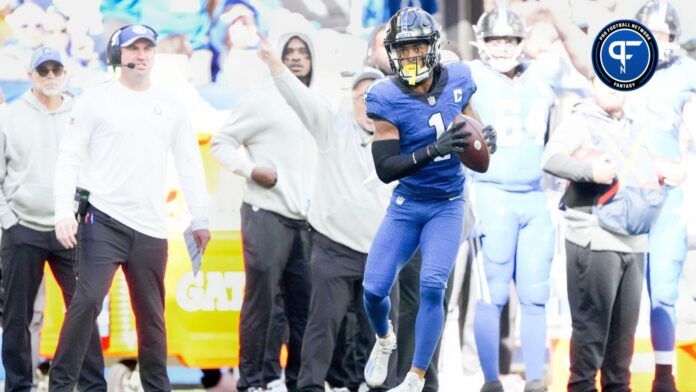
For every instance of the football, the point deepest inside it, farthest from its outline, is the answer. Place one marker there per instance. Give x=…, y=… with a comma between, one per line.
x=476, y=155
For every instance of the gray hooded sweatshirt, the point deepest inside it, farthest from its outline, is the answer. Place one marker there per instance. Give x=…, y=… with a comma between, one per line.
x=29, y=139
x=273, y=136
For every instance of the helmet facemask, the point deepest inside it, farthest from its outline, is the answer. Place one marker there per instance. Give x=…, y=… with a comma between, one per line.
x=420, y=67
x=661, y=17
x=410, y=26
x=667, y=51
x=502, y=64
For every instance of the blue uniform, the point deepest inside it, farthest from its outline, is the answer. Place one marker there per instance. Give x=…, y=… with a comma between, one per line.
x=421, y=118
x=517, y=232
x=426, y=209
x=519, y=111
x=658, y=107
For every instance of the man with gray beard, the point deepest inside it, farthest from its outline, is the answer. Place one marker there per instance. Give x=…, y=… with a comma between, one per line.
x=30, y=132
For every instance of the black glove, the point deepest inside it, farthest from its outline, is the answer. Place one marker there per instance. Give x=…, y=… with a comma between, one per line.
x=491, y=137
x=453, y=139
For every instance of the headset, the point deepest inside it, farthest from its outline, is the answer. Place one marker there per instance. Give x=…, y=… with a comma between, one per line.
x=113, y=50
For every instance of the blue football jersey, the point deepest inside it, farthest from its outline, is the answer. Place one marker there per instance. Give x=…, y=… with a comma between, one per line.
x=421, y=118
x=519, y=111
x=657, y=107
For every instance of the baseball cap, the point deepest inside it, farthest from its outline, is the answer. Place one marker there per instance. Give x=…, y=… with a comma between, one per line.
x=366, y=73
x=43, y=54
x=246, y=3
x=135, y=32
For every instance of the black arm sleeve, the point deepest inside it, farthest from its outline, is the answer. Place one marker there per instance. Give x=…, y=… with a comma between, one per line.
x=392, y=165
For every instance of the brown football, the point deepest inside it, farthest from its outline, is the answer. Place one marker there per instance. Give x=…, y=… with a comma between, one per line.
x=476, y=155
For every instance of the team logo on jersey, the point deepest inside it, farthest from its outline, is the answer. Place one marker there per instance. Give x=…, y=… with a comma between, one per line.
x=431, y=101
x=457, y=95
x=624, y=55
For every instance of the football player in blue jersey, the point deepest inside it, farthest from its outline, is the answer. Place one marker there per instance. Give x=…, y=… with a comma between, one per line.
x=413, y=144
x=658, y=106
x=517, y=96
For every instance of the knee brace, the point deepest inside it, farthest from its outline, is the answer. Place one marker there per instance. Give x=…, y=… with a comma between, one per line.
x=498, y=256
x=375, y=286
x=664, y=295
x=535, y=294
x=371, y=297
x=432, y=295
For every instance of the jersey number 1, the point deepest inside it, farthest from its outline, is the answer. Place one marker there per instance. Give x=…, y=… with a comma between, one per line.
x=437, y=122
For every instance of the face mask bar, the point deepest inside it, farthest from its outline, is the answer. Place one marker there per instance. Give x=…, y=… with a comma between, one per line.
x=502, y=65
x=415, y=72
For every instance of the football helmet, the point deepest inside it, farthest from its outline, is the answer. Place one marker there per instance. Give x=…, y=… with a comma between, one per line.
x=409, y=26
x=498, y=23
x=660, y=16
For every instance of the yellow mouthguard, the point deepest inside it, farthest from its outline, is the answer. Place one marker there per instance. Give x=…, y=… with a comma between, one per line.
x=411, y=71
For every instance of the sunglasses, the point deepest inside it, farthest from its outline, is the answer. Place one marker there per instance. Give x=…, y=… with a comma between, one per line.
x=59, y=31
x=43, y=71
x=37, y=26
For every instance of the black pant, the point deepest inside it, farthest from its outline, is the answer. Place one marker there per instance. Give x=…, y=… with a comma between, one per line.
x=278, y=335
x=343, y=268
x=276, y=257
x=104, y=244
x=24, y=252
x=409, y=289
x=465, y=292
x=337, y=273
x=604, y=290
x=350, y=350
x=507, y=338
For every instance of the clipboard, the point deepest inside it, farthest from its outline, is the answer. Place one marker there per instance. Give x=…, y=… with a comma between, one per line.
x=193, y=250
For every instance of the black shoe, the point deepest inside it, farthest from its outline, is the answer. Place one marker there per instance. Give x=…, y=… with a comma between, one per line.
x=492, y=386
x=664, y=383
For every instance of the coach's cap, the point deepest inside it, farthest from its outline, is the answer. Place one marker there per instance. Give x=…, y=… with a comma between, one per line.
x=43, y=54
x=135, y=32
x=366, y=73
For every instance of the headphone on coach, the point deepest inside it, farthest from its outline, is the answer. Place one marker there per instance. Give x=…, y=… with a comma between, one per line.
x=113, y=49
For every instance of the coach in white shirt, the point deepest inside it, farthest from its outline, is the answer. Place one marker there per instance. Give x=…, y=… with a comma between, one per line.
x=345, y=213
x=117, y=140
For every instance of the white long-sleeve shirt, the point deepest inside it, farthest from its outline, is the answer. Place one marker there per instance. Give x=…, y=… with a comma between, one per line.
x=349, y=201
x=117, y=142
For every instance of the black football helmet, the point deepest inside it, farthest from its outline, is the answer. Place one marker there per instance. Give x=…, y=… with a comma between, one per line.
x=409, y=26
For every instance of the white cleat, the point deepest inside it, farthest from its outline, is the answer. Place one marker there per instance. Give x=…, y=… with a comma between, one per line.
x=412, y=383
x=378, y=363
